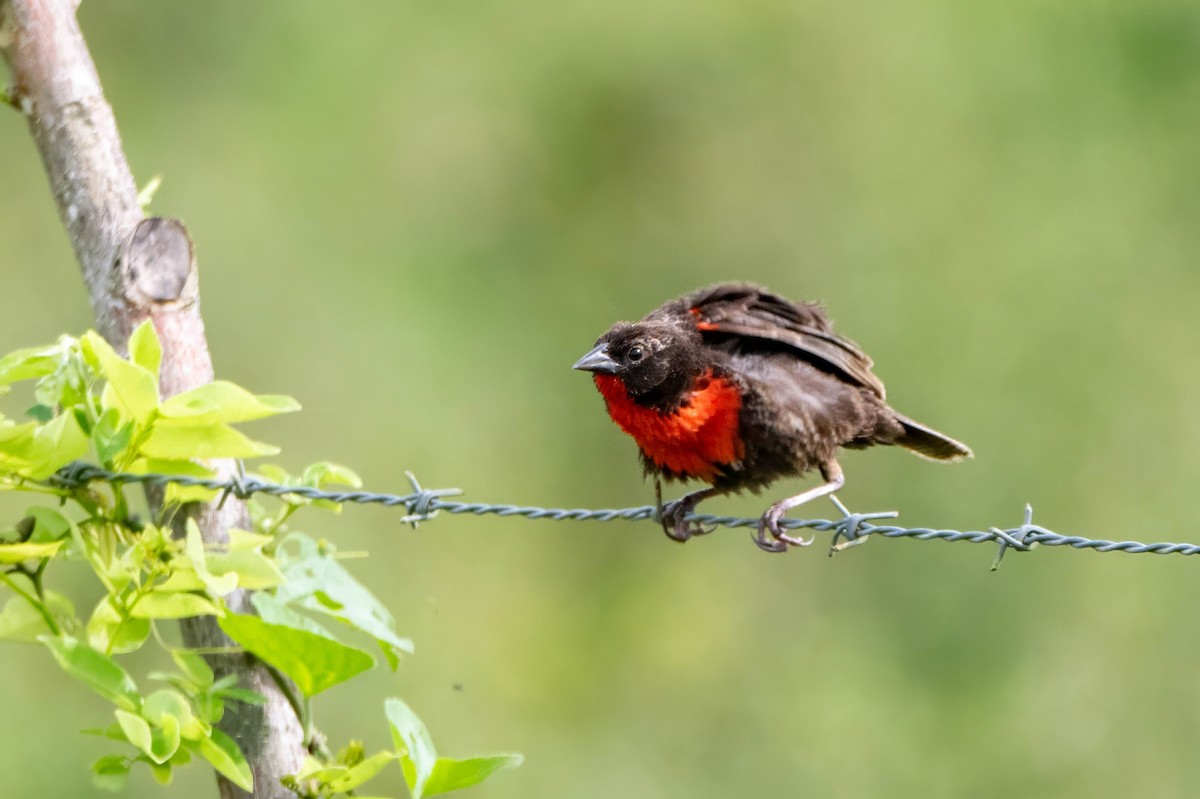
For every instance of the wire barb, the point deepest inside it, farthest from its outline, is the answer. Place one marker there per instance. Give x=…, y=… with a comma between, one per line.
x=1018, y=539
x=850, y=527
x=238, y=486
x=423, y=504
x=422, y=507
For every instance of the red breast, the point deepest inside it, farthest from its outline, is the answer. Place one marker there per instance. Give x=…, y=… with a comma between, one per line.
x=693, y=440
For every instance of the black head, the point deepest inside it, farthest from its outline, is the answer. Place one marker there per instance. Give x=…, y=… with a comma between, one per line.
x=656, y=360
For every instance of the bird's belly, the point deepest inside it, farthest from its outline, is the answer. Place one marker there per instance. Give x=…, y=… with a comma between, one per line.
x=697, y=439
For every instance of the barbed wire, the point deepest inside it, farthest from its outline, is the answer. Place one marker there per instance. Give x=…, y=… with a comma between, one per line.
x=423, y=504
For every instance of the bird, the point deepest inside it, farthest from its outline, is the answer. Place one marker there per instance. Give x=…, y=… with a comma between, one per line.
x=739, y=387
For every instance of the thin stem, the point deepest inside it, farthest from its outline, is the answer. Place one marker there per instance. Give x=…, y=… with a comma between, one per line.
x=39, y=606
x=126, y=611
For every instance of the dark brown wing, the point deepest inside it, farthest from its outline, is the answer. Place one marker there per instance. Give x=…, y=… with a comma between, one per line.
x=750, y=312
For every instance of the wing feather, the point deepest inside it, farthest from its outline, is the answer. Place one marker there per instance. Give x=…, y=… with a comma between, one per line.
x=752, y=314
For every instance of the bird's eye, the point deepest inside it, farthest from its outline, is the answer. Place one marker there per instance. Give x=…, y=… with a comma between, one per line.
x=636, y=354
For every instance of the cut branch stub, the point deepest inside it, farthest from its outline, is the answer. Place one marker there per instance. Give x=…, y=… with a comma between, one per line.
x=157, y=265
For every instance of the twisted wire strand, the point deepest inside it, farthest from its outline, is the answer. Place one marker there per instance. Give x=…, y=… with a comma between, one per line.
x=423, y=504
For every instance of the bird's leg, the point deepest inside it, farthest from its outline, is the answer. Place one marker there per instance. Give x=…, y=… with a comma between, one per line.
x=834, y=479
x=672, y=515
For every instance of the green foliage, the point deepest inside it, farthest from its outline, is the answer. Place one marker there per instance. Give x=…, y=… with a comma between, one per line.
x=425, y=773
x=89, y=399
x=314, y=661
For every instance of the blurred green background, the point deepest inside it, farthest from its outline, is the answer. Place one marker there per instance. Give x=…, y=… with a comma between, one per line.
x=415, y=216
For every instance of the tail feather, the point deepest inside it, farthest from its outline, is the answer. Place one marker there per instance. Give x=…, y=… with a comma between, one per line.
x=929, y=443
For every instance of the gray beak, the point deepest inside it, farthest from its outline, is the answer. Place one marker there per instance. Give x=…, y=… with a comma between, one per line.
x=597, y=361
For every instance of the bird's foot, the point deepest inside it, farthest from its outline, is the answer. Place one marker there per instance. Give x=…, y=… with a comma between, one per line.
x=673, y=515
x=770, y=523
x=675, y=523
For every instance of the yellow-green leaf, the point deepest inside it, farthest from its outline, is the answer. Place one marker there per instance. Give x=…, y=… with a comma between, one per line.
x=108, y=632
x=21, y=621
x=27, y=364
x=221, y=402
x=136, y=729
x=172, y=605
x=360, y=773
x=131, y=387
x=97, y=670
x=223, y=754
x=16, y=553
x=205, y=441
x=144, y=347
x=254, y=570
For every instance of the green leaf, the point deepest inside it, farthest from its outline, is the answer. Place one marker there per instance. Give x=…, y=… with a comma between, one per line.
x=224, y=755
x=361, y=772
x=21, y=621
x=177, y=494
x=194, y=667
x=110, y=772
x=450, y=774
x=15, y=443
x=108, y=632
x=136, y=729
x=326, y=472
x=131, y=388
x=317, y=582
x=167, y=703
x=425, y=772
x=204, y=441
x=49, y=524
x=38, y=451
x=28, y=364
x=413, y=741
x=111, y=436
x=253, y=570
x=240, y=540
x=272, y=611
x=39, y=413
x=194, y=551
x=167, y=738
x=162, y=772
x=221, y=402
x=243, y=695
x=314, y=662
x=314, y=769
x=95, y=669
x=183, y=578
x=144, y=347
x=27, y=550
x=173, y=605
x=55, y=444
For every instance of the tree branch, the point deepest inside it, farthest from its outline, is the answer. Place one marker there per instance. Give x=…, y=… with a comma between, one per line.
x=135, y=269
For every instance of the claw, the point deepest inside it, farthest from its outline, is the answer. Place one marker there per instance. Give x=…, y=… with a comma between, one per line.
x=677, y=526
x=762, y=542
x=770, y=522
x=673, y=515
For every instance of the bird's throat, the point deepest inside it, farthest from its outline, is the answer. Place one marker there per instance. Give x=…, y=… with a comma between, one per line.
x=696, y=439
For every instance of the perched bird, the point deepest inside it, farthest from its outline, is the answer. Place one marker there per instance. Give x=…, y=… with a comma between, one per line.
x=738, y=387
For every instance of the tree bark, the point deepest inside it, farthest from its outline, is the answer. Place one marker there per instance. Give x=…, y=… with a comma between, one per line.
x=135, y=269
